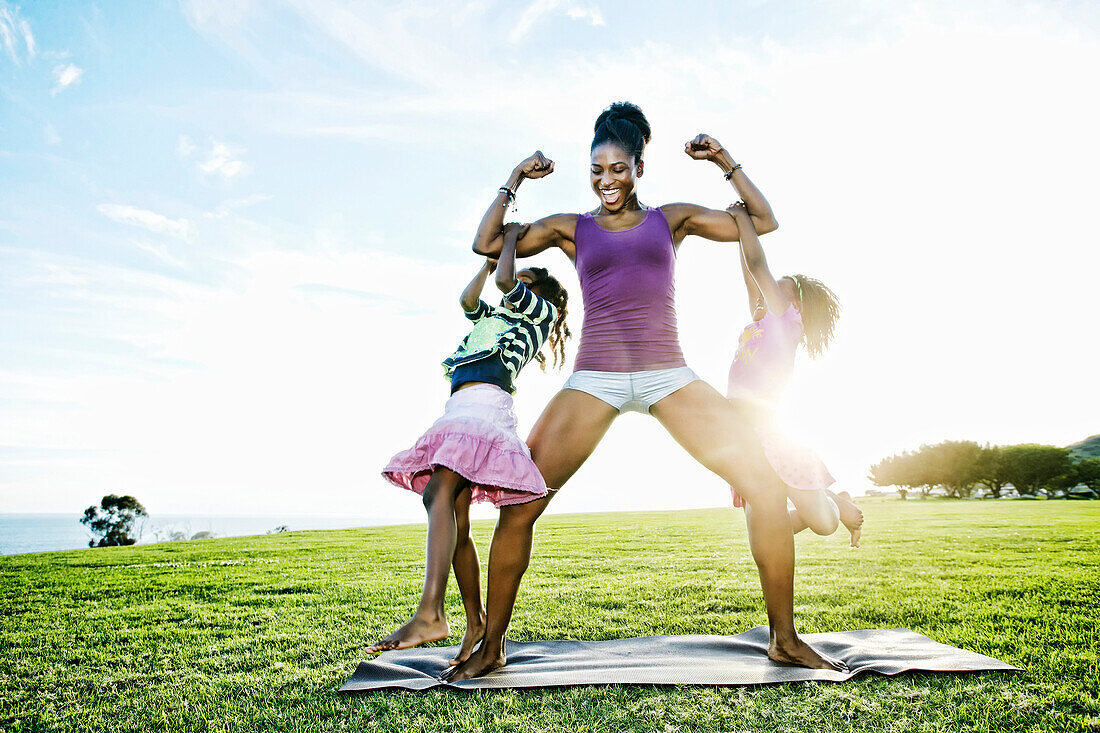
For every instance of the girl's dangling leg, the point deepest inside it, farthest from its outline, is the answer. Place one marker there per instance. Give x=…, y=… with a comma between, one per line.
x=851, y=516
x=816, y=510
x=468, y=574
x=429, y=623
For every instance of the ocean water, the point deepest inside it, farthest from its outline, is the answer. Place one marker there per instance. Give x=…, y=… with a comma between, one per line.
x=20, y=533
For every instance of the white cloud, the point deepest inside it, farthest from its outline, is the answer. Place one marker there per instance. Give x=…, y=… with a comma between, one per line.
x=228, y=206
x=185, y=148
x=160, y=251
x=28, y=37
x=539, y=9
x=154, y=222
x=592, y=15
x=15, y=34
x=65, y=75
x=201, y=13
x=49, y=132
x=223, y=160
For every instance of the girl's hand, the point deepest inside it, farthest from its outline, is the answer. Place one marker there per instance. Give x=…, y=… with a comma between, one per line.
x=738, y=210
x=515, y=230
x=491, y=264
x=537, y=166
x=703, y=147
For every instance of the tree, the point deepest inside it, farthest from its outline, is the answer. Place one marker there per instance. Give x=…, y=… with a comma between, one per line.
x=990, y=469
x=1033, y=468
x=1088, y=472
x=113, y=520
x=901, y=471
x=952, y=464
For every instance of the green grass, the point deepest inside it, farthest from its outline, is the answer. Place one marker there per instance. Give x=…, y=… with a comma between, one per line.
x=259, y=632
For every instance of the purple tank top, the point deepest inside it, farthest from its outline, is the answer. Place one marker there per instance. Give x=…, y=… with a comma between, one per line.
x=629, y=293
x=764, y=362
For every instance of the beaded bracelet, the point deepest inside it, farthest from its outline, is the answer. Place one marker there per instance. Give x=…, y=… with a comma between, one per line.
x=730, y=174
x=509, y=195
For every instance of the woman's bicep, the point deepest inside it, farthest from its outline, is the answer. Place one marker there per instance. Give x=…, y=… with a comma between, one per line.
x=712, y=224
x=540, y=236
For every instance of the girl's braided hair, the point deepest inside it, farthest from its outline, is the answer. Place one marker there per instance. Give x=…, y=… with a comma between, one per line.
x=552, y=290
x=820, y=309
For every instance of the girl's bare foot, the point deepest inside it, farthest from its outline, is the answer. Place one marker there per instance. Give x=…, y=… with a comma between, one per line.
x=798, y=652
x=475, y=630
x=479, y=663
x=850, y=516
x=416, y=632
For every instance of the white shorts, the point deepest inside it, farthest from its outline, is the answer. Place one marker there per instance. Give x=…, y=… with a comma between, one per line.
x=631, y=391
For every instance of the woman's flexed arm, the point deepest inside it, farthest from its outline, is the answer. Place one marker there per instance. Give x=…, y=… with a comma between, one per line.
x=705, y=147
x=489, y=237
x=714, y=224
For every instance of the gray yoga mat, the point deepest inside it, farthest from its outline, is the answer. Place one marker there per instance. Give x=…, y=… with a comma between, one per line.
x=672, y=660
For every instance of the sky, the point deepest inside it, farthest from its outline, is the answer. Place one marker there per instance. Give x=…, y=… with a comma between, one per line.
x=233, y=233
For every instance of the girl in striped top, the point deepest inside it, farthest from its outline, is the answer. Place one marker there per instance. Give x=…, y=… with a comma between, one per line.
x=472, y=453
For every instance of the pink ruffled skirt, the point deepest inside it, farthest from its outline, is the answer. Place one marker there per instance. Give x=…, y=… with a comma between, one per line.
x=797, y=465
x=476, y=438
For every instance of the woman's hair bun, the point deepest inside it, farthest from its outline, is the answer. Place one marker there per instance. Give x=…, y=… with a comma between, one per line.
x=628, y=111
x=625, y=124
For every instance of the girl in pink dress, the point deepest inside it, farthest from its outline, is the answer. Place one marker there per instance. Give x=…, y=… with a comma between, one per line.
x=472, y=452
x=786, y=312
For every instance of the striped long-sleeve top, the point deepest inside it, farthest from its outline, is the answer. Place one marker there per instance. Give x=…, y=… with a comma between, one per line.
x=516, y=335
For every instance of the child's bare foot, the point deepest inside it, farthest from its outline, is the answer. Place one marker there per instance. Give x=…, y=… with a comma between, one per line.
x=850, y=516
x=799, y=652
x=479, y=663
x=475, y=630
x=416, y=632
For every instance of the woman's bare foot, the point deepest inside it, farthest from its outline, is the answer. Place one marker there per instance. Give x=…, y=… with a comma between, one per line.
x=479, y=663
x=416, y=632
x=850, y=516
x=799, y=652
x=474, y=632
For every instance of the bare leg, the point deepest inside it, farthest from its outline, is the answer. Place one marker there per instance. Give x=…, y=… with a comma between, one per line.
x=565, y=435
x=816, y=511
x=850, y=515
x=720, y=438
x=429, y=623
x=468, y=574
x=812, y=509
x=797, y=525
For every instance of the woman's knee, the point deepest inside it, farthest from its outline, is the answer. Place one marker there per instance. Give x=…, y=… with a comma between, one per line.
x=764, y=495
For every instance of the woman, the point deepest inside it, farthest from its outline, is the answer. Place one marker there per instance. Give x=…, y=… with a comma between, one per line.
x=629, y=359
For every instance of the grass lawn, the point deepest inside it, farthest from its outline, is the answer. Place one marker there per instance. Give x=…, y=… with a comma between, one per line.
x=258, y=632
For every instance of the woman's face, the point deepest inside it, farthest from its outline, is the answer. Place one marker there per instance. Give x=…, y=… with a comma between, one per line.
x=614, y=174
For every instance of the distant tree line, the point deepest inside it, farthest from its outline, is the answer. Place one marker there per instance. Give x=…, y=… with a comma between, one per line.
x=960, y=467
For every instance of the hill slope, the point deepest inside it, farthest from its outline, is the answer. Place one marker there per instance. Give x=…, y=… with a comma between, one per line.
x=256, y=633
x=1087, y=448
